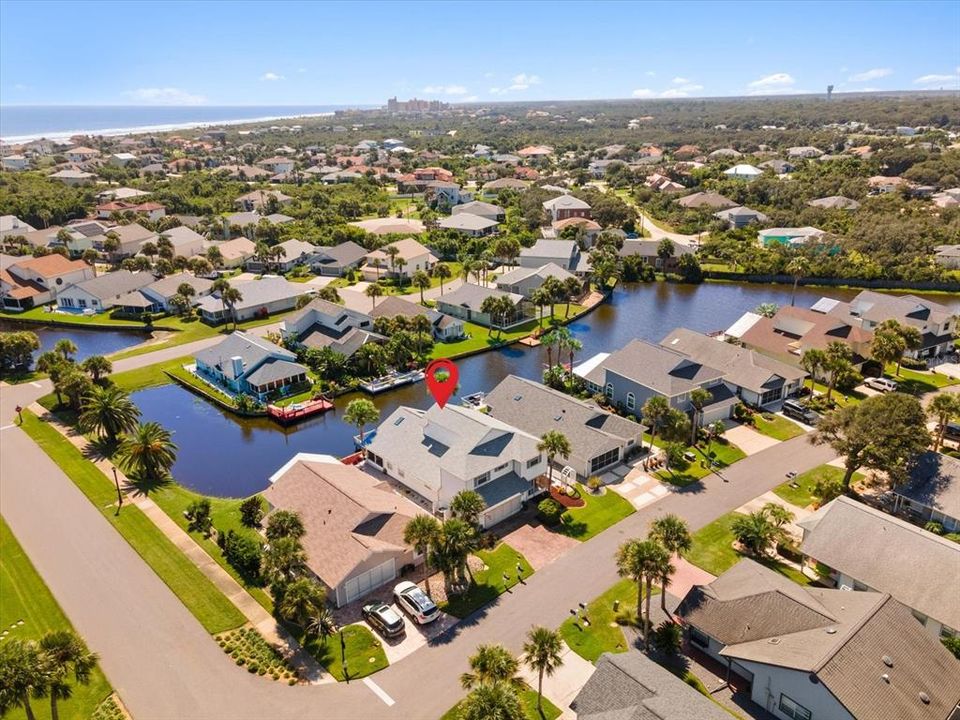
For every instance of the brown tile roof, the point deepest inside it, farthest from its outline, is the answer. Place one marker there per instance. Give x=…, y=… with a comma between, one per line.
x=52, y=265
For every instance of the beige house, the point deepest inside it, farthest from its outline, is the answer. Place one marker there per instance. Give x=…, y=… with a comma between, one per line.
x=411, y=256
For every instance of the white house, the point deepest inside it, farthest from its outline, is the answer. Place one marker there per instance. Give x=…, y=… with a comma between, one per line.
x=411, y=256
x=15, y=162
x=27, y=282
x=322, y=323
x=261, y=298
x=743, y=172
x=186, y=242
x=436, y=453
x=101, y=293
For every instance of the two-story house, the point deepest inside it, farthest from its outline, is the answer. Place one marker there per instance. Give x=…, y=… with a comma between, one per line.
x=564, y=253
x=566, y=206
x=27, y=282
x=436, y=453
x=321, y=323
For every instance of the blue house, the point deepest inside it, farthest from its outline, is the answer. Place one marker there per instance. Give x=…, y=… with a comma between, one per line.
x=250, y=365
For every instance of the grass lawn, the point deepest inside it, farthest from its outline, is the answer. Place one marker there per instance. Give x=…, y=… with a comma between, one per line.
x=802, y=495
x=24, y=597
x=201, y=597
x=40, y=314
x=489, y=584
x=600, y=512
x=528, y=699
x=713, y=551
x=777, y=427
x=840, y=398
x=364, y=653
x=722, y=452
x=604, y=633
x=917, y=383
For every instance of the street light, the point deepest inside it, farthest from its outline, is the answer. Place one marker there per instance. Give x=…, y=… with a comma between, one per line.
x=116, y=482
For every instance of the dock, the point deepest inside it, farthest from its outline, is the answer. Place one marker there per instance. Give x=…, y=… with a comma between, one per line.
x=391, y=381
x=298, y=411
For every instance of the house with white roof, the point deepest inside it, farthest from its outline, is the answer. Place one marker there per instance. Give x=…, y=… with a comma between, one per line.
x=263, y=297
x=743, y=171
x=468, y=224
x=564, y=253
x=789, y=235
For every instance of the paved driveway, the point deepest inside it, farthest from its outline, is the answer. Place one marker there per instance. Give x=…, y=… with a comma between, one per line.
x=564, y=685
x=539, y=545
x=749, y=440
x=799, y=513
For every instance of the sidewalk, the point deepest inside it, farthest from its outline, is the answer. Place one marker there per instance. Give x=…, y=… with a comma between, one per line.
x=263, y=621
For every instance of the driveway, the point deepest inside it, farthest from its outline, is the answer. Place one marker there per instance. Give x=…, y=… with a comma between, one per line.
x=564, y=685
x=640, y=488
x=539, y=545
x=799, y=514
x=749, y=440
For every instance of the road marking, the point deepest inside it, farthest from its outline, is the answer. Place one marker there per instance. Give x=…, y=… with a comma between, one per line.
x=36, y=385
x=7, y=427
x=378, y=691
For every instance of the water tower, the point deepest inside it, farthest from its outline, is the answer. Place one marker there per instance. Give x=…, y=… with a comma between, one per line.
x=829, y=91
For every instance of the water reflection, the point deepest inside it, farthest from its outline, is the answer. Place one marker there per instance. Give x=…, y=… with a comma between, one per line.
x=88, y=342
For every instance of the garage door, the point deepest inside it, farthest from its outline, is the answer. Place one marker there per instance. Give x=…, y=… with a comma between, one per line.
x=367, y=581
x=494, y=515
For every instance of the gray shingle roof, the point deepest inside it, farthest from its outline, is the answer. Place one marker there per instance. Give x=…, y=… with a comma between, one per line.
x=467, y=221
x=543, y=272
x=472, y=296
x=935, y=482
x=273, y=370
x=115, y=284
x=550, y=249
x=252, y=349
x=346, y=253
x=661, y=369
x=258, y=292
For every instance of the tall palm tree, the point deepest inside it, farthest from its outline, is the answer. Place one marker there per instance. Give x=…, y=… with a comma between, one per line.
x=441, y=271
x=496, y=701
x=813, y=361
x=65, y=348
x=67, y=654
x=629, y=565
x=672, y=532
x=838, y=363
x=911, y=337
x=699, y=397
x=360, y=413
x=572, y=288
x=550, y=341
x=540, y=300
x=230, y=297
x=373, y=291
x=943, y=408
x=421, y=281
x=421, y=532
x=654, y=412
x=555, y=290
x=453, y=546
x=642, y=561
x=24, y=673
x=468, y=505
x=285, y=524
x=97, y=366
x=491, y=664
x=108, y=412
x=392, y=251
x=553, y=443
x=302, y=598
x=573, y=347
x=798, y=268
x=147, y=451
x=542, y=652
x=283, y=560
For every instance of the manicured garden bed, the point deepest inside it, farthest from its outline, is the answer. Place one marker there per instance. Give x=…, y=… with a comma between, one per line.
x=489, y=583
x=599, y=513
x=249, y=650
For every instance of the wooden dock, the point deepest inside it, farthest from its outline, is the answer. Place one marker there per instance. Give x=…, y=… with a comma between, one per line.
x=299, y=411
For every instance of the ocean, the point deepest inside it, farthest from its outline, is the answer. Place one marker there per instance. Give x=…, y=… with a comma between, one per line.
x=22, y=123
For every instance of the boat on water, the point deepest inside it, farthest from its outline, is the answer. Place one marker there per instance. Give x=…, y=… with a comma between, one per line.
x=476, y=401
x=367, y=439
x=391, y=380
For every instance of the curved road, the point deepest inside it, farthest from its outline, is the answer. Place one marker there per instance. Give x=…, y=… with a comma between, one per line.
x=164, y=664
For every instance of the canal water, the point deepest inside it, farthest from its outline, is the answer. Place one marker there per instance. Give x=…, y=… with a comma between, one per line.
x=88, y=342
x=221, y=454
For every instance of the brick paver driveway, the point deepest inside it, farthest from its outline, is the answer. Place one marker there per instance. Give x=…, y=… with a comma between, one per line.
x=538, y=545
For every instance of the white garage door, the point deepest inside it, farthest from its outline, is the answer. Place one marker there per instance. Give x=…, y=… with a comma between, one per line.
x=501, y=512
x=367, y=581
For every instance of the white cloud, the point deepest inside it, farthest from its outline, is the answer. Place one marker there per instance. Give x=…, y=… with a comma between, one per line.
x=271, y=77
x=524, y=81
x=19, y=86
x=650, y=73
x=643, y=93
x=165, y=96
x=680, y=81
x=874, y=74
x=496, y=91
x=935, y=79
x=675, y=92
x=773, y=81
x=470, y=99
x=445, y=90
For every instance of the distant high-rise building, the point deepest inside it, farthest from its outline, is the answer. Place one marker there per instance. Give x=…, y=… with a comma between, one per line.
x=415, y=105
x=829, y=91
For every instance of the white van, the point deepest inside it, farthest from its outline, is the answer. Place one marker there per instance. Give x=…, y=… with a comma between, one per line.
x=882, y=384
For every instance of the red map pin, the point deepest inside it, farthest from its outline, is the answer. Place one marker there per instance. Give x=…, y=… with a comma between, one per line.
x=442, y=376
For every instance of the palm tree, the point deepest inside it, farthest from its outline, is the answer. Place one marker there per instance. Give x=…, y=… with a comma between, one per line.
x=642, y=561
x=543, y=653
x=798, y=268
x=230, y=297
x=540, y=299
x=442, y=272
x=550, y=341
x=321, y=625
x=555, y=290
x=672, y=532
x=497, y=701
x=285, y=524
x=838, y=363
x=629, y=565
x=698, y=398
x=468, y=505
x=302, y=598
x=421, y=532
x=24, y=672
x=553, y=443
x=813, y=361
x=573, y=347
x=762, y=529
x=373, y=291
x=572, y=288
x=97, y=366
x=283, y=560
x=65, y=348
x=421, y=281
x=108, y=411
x=392, y=251
x=910, y=337
x=67, y=654
x=654, y=411
x=943, y=408
x=489, y=665
x=361, y=412
x=886, y=347
x=451, y=549
x=492, y=306
x=147, y=451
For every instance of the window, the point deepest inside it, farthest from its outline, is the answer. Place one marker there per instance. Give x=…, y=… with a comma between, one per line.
x=498, y=468
x=791, y=708
x=609, y=390
x=631, y=401
x=532, y=462
x=698, y=638
x=81, y=302
x=481, y=479
x=601, y=461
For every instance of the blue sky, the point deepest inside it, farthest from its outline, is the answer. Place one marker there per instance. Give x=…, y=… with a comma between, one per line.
x=269, y=53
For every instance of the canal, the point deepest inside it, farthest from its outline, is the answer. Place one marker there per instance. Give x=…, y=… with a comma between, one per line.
x=88, y=342
x=221, y=454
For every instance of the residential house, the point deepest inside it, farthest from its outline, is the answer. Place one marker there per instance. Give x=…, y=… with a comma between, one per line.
x=649, y=251
x=794, y=330
x=81, y=154
x=123, y=159
x=27, y=282
x=261, y=298
x=185, y=241
x=466, y=303
x=932, y=494
x=445, y=327
x=81, y=236
x=295, y=252
x=258, y=200
x=73, y=177
x=493, y=187
x=437, y=453
x=566, y=206
x=804, y=151
x=339, y=259
x=780, y=167
x=354, y=524
x=236, y=252
x=278, y=164
x=156, y=296
x=390, y=226
x=102, y=292
x=936, y=322
x=151, y=210
x=835, y=202
x=708, y=200
x=598, y=439
x=444, y=194
x=640, y=370
x=468, y=224
x=866, y=549
x=249, y=365
x=15, y=162
x=12, y=225
x=882, y=184
x=743, y=172
x=120, y=193
x=482, y=209
x=131, y=239
x=243, y=172
x=411, y=256
x=248, y=221
x=631, y=686
x=587, y=229
x=789, y=236
x=564, y=253
x=524, y=281
x=947, y=256
x=321, y=323
x=810, y=653
x=738, y=217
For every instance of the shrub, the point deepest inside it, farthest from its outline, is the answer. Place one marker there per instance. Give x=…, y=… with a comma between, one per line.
x=667, y=638
x=952, y=643
x=594, y=483
x=549, y=511
x=955, y=537
x=198, y=513
x=934, y=527
x=251, y=511
x=242, y=552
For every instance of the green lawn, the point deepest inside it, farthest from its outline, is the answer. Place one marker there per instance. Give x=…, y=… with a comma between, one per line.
x=917, y=383
x=40, y=314
x=777, y=427
x=489, y=583
x=604, y=633
x=528, y=699
x=713, y=551
x=364, y=653
x=722, y=452
x=24, y=597
x=201, y=597
x=840, y=398
x=600, y=512
x=802, y=495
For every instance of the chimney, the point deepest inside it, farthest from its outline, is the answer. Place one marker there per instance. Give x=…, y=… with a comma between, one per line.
x=237, y=362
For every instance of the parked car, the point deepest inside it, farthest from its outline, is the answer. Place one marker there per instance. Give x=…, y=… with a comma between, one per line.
x=952, y=431
x=882, y=384
x=384, y=619
x=416, y=603
x=793, y=409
